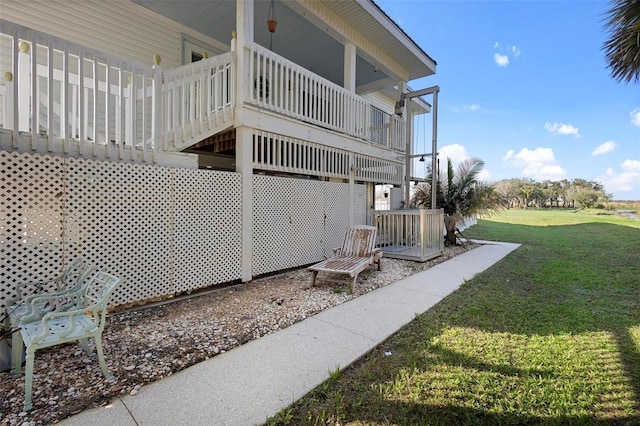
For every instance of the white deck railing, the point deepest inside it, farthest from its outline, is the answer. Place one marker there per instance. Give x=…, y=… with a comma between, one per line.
x=198, y=101
x=65, y=94
x=70, y=99
x=277, y=84
x=410, y=234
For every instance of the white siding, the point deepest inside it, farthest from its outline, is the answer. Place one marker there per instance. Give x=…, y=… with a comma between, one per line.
x=119, y=28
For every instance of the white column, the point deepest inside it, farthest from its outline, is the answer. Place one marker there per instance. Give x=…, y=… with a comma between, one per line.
x=350, y=67
x=244, y=153
x=244, y=136
x=244, y=35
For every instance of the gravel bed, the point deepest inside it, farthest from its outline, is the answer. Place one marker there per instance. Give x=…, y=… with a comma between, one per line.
x=148, y=343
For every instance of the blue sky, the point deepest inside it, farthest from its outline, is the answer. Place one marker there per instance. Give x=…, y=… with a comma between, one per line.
x=524, y=87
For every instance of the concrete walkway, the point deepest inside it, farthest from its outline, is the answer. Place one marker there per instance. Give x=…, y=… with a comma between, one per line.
x=254, y=381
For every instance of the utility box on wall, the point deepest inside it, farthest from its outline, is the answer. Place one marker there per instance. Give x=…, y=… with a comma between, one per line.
x=397, y=198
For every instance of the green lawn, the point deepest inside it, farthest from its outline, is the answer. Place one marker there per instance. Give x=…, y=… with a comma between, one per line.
x=549, y=335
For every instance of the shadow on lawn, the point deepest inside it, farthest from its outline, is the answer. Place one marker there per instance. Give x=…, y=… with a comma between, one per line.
x=587, y=280
x=410, y=414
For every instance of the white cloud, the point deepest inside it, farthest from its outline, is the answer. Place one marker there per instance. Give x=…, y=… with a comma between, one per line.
x=458, y=153
x=472, y=107
x=626, y=180
x=484, y=175
x=508, y=155
x=501, y=60
x=631, y=166
x=562, y=129
x=604, y=148
x=505, y=53
x=635, y=117
x=538, y=164
x=455, y=152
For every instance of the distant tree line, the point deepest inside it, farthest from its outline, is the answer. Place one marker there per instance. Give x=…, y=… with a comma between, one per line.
x=523, y=193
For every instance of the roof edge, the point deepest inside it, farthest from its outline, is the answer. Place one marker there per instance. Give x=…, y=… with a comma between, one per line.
x=397, y=27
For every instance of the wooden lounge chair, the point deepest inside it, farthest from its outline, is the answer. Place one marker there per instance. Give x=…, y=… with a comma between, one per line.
x=358, y=251
x=84, y=317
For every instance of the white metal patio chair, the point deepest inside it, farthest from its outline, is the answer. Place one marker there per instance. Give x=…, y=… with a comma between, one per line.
x=86, y=318
x=71, y=279
x=358, y=251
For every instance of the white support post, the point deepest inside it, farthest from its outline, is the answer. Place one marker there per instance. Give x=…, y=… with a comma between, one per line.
x=244, y=37
x=350, y=67
x=244, y=165
x=434, y=148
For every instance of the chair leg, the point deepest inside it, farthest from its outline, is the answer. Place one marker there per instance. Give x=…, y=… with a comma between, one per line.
x=353, y=283
x=28, y=379
x=16, y=353
x=103, y=364
x=84, y=344
x=313, y=278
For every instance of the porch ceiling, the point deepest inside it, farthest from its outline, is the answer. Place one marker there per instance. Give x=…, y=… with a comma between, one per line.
x=301, y=41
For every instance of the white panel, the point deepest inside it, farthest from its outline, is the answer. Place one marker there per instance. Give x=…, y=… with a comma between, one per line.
x=208, y=228
x=118, y=216
x=31, y=215
x=307, y=221
x=360, y=205
x=337, y=211
x=164, y=230
x=271, y=224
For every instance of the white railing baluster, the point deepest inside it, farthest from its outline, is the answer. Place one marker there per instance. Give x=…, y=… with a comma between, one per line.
x=156, y=109
x=50, y=94
x=64, y=116
x=94, y=114
x=15, y=122
x=81, y=102
x=35, y=121
x=107, y=104
x=23, y=81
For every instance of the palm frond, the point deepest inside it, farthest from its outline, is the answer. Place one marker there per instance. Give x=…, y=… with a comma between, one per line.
x=622, y=48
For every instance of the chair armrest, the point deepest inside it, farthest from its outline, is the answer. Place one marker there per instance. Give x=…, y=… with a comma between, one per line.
x=38, y=306
x=23, y=292
x=376, y=253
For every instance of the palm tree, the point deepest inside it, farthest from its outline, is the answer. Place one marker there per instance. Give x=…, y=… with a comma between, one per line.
x=622, y=49
x=459, y=194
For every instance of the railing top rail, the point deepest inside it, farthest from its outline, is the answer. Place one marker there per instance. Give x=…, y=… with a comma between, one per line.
x=286, y=62
x=222, y=59
x=24, y=33
x=408, y=211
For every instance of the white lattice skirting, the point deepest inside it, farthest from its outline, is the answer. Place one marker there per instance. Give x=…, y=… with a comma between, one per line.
x=165, y=230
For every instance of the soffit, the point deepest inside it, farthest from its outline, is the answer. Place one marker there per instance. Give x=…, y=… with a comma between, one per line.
x=305, y=44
